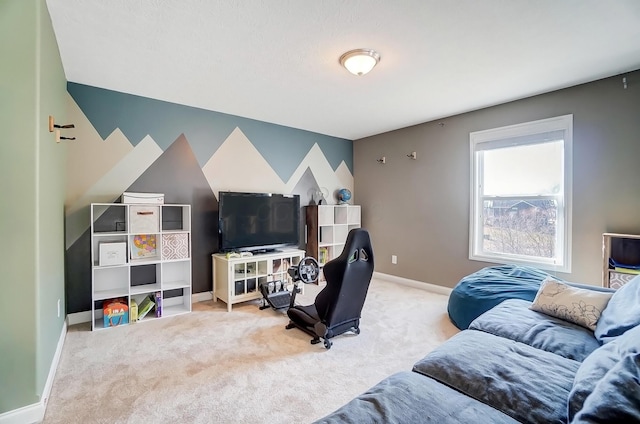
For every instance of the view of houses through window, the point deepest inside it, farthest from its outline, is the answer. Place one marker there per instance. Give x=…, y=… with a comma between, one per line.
x=519, y=210
x=520, y=227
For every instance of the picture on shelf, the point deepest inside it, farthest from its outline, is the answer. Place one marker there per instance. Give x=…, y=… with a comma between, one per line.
x=143, y=246
x=112, y=253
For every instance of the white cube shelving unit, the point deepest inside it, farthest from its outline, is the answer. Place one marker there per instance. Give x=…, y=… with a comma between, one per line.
x=327, y=229
x=157, y=256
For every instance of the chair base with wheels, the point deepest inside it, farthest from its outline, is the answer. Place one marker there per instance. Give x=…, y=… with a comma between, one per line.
x=325, y=338
x=337, y=308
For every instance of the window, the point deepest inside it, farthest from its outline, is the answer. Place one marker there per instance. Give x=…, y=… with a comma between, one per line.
x=521, y=194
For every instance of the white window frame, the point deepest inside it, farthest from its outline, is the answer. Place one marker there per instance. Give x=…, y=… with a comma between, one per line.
x=480, y=141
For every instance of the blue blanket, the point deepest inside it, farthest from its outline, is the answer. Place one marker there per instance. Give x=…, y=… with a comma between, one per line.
x=514, y=320
x=409, y=397
x=528, y=384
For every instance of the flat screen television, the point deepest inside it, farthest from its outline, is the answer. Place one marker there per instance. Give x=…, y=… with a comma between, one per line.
x=257, y=221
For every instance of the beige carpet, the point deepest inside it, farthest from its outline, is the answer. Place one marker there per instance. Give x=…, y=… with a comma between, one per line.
x=214, y=366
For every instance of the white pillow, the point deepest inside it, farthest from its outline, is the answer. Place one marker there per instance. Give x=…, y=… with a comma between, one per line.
x=573, y=304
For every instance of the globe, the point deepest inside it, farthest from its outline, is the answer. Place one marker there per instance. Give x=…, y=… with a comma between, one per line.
x=344, y=195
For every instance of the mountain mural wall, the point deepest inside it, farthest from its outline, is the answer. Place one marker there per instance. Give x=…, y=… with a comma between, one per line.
x=131, y=143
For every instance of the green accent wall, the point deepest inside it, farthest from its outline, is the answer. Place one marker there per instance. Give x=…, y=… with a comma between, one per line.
x=32, y=86
x=51, y=180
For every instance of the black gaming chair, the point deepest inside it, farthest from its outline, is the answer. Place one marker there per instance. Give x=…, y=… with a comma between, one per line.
x=338, y=306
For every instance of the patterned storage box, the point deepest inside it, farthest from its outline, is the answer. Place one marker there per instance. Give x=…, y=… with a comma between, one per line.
x=175, y=246
x=619, y=279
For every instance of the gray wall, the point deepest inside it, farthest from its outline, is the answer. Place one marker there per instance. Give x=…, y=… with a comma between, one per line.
x=419, y=210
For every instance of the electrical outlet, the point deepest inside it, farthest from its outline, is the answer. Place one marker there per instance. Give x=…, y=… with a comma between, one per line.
x=394, y=259
x=58, y=308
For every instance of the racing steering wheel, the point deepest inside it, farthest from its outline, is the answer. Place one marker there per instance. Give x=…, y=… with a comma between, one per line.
x=306, y=271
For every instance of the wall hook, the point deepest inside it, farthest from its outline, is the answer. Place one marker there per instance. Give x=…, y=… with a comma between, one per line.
x=383, y=159
x=624, y=83
x=53, y=125
x=413, y=155
x=58, y=137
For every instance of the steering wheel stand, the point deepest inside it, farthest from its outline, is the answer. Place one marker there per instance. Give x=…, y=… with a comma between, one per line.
x=306, y=271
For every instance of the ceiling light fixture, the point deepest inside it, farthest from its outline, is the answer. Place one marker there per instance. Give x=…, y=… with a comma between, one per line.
x=360, y=61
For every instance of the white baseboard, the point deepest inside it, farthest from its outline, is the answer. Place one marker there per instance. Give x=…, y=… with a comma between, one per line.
x=34, y=413
x=78, y=317
x=29, y=414
x=414, y=283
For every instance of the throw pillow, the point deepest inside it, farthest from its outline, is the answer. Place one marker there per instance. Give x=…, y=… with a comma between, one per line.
x=599, y=363
x=616, y=398
x=621, y=314
x=576, y=305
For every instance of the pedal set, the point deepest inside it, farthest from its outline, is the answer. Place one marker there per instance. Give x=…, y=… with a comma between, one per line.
x=276, y=295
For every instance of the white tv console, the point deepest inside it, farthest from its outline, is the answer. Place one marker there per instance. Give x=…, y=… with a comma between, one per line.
x=237, y=279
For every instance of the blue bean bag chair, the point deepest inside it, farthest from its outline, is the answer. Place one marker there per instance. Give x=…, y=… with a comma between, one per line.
x=478, y=292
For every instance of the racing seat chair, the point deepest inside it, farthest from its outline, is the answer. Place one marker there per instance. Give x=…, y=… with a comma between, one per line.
x=338, y=306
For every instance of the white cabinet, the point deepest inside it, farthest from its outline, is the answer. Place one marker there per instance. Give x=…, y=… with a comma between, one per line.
x=621, y=259
x=140, y=250
x=327, y=229
x=238, y=279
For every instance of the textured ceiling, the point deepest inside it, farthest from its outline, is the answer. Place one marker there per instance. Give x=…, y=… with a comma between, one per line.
x=277, y=60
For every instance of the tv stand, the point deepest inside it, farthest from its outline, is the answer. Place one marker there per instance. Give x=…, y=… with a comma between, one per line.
x=238, y=279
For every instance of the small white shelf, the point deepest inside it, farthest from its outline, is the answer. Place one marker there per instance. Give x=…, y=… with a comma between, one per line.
x=174, y=310
x=110, y=294
x=174, y=285
x=144, y=289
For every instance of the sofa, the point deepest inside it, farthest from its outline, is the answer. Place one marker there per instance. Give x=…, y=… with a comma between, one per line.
x=523, y=361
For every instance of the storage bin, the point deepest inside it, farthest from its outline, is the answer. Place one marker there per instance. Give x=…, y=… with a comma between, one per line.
x=175, y=246
x=144, y=219
x=619, y=279
x=149, y=198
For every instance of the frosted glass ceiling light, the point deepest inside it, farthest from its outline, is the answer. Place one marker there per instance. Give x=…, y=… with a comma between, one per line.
x=360, y=61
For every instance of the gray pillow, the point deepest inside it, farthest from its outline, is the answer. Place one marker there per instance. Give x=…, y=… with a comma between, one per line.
x=621, y=314
x=597, y=365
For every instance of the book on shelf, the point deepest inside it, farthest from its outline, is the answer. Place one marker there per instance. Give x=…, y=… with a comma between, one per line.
x=158, y=297
x=145, y=307
x=627, y=270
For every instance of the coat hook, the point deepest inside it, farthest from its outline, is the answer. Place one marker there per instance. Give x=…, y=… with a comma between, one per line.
x=413, y=155
x=624, y=83
x=383, y=159
x=58, y=137
x=53, y=125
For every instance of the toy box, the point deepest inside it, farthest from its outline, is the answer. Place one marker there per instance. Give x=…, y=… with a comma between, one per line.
x=116, y=312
